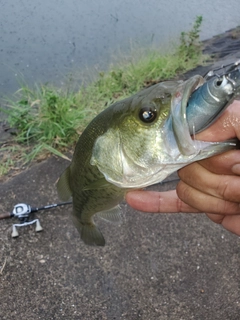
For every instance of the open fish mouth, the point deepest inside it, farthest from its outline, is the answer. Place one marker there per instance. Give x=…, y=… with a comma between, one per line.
x=179, y=114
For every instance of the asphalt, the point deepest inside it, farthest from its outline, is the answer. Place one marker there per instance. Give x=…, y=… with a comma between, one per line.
x=154, y=266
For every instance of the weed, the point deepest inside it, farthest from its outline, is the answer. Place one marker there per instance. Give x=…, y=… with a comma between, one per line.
x=43, y=115
x=190, y=46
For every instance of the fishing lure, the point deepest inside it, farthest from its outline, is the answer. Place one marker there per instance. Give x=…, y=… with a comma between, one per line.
x=207, y=102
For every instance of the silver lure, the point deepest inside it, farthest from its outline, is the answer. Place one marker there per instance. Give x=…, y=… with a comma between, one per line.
x=219, y=88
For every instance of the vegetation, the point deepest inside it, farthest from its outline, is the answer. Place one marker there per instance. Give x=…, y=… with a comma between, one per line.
x=190, y=46
x=49, y=120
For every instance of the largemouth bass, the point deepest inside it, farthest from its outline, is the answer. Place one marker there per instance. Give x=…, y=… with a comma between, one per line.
x=132, y=144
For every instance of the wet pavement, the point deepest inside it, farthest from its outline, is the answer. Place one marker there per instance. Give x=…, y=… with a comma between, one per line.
x=154, y=266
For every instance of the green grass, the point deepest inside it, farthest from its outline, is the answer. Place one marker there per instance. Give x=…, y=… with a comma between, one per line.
x=49, y=120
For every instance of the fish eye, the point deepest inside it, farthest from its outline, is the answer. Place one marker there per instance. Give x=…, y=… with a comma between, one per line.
x=148, y=114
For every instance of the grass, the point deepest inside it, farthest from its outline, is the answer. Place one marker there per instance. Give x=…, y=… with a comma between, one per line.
x=47, y=119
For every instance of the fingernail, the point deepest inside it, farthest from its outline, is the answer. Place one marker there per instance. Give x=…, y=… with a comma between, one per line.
x=236, y=169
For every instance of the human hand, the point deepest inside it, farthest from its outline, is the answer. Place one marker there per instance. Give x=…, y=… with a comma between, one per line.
x=210, y=185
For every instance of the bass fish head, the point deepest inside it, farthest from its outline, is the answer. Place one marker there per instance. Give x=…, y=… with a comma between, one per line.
x=148, y=138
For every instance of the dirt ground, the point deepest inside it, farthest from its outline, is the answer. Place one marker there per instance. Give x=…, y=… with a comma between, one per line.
x=163, y=267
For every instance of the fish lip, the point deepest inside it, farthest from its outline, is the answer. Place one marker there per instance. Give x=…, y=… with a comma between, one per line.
x=182, y=95
x=178, y=114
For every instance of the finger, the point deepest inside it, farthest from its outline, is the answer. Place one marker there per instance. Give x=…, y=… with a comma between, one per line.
x=225, y=163
x=204, y=202
x=230, y=223
x=162, y=202
x=221, y=186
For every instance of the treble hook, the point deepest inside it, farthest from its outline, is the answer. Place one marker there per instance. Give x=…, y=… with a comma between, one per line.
x=227, y=69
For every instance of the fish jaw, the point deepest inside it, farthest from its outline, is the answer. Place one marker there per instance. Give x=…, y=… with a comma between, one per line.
x=133, y=175
x=178, y=115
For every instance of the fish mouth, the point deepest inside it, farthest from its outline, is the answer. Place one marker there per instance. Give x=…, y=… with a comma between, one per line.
x=178, y=113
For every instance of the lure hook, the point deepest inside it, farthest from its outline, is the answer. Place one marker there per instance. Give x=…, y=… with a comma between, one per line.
x=226, y=70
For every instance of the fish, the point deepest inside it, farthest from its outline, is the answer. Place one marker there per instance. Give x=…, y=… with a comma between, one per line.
x=132, y=144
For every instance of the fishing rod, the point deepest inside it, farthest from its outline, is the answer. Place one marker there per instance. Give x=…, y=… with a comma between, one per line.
x=23, y=211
